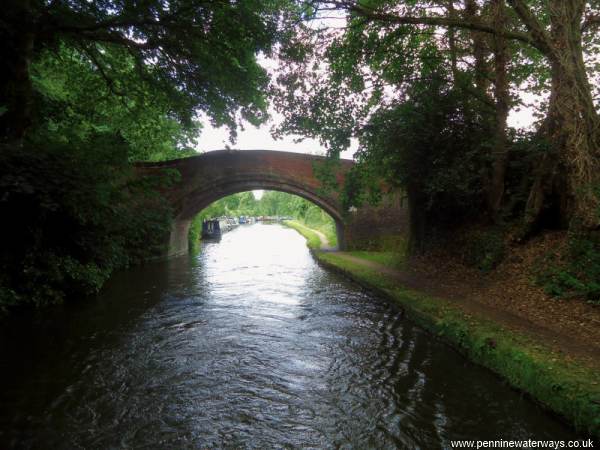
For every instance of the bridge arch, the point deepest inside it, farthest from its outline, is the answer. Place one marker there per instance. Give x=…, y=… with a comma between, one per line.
x=210, y=176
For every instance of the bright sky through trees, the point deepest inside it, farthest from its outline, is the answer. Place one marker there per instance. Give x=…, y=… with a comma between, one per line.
x=260, y=137
x=252, y=137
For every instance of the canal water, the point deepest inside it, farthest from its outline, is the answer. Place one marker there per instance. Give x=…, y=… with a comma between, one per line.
x=249, y=344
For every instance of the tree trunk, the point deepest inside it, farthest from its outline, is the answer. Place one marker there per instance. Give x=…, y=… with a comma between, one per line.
x=480, y=49
x=418, y=225
x=17, y=51
x=452, y=44
x=502, y=105
x=571, y=171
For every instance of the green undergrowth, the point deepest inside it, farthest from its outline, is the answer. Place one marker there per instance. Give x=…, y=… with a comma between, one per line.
x=574, y=272
x=195, y=233
x=396, y=243
x=389, y=259
x=483, y=249
x=330, y=233
x=72, y=217
x=312, y=239
x=324, y=224
x=568, y=387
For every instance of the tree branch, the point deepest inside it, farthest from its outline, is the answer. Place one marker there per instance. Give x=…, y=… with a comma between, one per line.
x=446, y=22
x=592, y=21
x=108, y=80
x=542, y=41
x=120, y=22
x=116, y=38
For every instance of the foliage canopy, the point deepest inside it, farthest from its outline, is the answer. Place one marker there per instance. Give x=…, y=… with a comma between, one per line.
x=87, y=87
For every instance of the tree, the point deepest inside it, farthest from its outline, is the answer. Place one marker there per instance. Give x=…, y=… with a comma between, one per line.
x=73, y=103
x=88, y=86
x=201, y=55
x=395, y=42
x=478, y=84
x=558, y=29
x=75, y=217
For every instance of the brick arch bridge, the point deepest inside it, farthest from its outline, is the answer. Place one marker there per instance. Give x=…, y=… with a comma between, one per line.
x=210, y=176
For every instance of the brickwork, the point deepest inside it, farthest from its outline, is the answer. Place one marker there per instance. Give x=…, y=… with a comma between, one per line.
x=381, y=227
x=210, y=176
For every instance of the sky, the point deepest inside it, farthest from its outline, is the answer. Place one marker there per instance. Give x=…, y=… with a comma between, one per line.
x=253, y=138
x=260, y=138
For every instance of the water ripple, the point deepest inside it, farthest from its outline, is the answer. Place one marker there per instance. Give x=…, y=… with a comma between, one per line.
x=248, y=345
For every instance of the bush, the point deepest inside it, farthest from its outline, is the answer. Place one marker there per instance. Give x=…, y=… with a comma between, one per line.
x=432, y=147
x=195, y=233
x=72, y=215
x=576, y=273
x=484, y=249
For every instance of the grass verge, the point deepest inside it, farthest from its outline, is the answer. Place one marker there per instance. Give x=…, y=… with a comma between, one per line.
x=560, y=383
x=393, y=260
x=312, y=239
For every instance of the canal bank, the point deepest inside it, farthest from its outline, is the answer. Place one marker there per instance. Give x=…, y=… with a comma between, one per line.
x=565, y=383
x=315, y=240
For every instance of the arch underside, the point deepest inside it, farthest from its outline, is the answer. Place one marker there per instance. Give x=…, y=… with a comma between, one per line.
x=196, y=200
x=201, y=198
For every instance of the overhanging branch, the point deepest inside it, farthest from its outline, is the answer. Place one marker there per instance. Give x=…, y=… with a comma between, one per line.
x=590, y=23
x=446, y=22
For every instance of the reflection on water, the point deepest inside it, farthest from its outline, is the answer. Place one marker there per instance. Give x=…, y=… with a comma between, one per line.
x=247, y=345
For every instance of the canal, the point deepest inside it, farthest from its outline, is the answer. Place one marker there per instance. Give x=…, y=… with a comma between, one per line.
x=249, y=344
